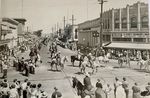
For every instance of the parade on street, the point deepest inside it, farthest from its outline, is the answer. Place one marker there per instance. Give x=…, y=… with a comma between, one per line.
x=74, y=49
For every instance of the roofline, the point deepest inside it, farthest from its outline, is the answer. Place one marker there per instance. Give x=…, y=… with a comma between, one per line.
x=12, y=21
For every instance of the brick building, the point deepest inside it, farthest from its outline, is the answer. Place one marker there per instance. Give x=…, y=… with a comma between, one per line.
x=126, y=27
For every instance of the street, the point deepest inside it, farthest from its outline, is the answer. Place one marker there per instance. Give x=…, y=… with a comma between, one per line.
x=63, y=81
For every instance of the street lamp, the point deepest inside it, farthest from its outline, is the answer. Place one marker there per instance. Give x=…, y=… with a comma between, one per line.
x=101, y=2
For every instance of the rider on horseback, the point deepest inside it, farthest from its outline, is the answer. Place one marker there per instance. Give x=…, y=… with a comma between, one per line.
x=88, y=85
x=90, y=59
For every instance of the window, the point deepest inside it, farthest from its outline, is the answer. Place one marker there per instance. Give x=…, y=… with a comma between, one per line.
x=139, y=40
x=116, y=23
x=133, y=22
x=108, y=24
x=124, y=23
x=122, y=39
x=144, y=22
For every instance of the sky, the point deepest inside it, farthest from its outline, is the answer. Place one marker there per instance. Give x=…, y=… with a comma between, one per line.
x=45, y=14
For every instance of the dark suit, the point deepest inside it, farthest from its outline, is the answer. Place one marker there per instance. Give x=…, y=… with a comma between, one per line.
x=99, y=93
x=87, y=83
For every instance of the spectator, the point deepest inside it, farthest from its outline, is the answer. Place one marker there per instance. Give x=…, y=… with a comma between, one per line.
x=19, y=88
x=108, y=91
x=43, y=94
x=33, y=91
x=99, y=83
x=5, y=91
x=5, y=67
x=24, y=86
x=99, y=93
x=56, y=93
x=87, y=82
x=39, y=94
x=13, y=92
x=125, y=85
x=136, y=91
x=118, y=91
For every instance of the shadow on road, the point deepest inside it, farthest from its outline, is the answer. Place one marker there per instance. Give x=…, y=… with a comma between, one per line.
x=79, y=73
x=72, y=66
x=54, y=70
x=142, y=70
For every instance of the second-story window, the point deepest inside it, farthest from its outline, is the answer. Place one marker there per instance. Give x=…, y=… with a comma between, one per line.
x=124, y=23
x=133, y=22
x=144, y=22
x=116, y=23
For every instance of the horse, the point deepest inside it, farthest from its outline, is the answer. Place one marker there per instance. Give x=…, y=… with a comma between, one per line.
x=62, y=62
x=144, y=64
x=57, y=63
x=76, y=58
x=105, y=59
x=83, y=66
x=54, y=62
x=81, y=91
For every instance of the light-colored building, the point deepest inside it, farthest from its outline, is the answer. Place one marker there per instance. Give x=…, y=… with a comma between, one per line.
x=8, y=33
x=124, y=28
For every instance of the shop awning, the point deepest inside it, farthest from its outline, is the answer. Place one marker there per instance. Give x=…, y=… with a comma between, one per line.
x=129, y=46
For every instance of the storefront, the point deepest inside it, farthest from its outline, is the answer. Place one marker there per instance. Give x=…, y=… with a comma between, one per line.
x=133, y=49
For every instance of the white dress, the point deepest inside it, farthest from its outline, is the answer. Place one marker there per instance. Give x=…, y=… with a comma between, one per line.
x=120, y=90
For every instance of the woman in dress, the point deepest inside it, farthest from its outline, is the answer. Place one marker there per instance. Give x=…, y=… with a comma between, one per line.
x=119, y=90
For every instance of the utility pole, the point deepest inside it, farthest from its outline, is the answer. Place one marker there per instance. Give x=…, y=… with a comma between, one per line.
x=73, y=19
x=101, y=2
x=64, y=22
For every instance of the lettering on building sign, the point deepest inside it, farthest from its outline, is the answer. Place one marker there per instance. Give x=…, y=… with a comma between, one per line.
x=95, y=34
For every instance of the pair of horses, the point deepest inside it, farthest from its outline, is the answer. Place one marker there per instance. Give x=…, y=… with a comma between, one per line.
x=122, y=60
x=58, y=63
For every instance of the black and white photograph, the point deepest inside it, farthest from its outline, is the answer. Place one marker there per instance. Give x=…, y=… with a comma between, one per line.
x=74, y=49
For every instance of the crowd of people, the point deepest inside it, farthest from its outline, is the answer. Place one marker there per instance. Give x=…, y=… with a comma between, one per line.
x=21, y=64
x=120, y=89
x=25, y=89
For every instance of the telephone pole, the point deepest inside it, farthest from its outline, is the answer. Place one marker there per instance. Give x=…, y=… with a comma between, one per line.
x=101, y=2
x=64, y=22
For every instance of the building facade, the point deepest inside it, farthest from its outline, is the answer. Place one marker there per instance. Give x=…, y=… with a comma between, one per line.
x=124, y=26
x=8, y=34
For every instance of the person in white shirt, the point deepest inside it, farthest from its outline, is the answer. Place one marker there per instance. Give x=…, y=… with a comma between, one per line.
x=24, y=86
x=13, y=92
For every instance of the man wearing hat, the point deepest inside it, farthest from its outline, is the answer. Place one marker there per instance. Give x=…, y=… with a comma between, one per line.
x=87, y=82
x=90, y=59
x=98, y=83
x=56, y=93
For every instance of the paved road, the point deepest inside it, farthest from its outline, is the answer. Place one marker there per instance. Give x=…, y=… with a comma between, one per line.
x=62, y=80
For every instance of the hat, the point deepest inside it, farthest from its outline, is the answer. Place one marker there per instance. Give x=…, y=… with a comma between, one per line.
x=90, y=53
x=87, y=74
x=55, y=88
